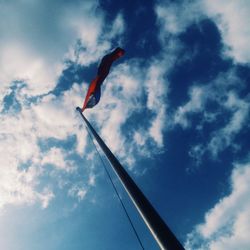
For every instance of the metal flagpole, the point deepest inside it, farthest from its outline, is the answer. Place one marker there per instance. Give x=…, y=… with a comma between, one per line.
x=160, y=231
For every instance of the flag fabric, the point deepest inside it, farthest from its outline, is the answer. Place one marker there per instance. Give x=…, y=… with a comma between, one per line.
x=94, y=91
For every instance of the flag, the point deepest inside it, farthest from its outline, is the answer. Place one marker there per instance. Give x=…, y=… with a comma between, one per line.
x=94, y=91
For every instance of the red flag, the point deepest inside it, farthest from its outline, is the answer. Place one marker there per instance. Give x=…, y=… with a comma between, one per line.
x=94, y=91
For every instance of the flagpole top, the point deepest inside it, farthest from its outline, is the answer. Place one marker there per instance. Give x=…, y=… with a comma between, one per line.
x=79, y=109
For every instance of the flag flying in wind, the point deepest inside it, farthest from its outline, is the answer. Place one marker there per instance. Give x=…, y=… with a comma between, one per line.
x=94, y=91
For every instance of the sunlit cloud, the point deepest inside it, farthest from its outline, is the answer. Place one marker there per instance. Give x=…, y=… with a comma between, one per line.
x=226, y=225
x=223, y=94
x=232, y=18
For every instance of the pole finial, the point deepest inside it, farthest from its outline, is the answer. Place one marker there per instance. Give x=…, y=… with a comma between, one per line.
x=79, y=109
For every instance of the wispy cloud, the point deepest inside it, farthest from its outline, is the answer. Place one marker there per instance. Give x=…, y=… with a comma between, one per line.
x=78, y=190
x=223, y=93
x=226, y=225
x=240, y=113
x=232, y=18
x=57, y=157
x=23, y=157
x=176, y=17
x=195, y=104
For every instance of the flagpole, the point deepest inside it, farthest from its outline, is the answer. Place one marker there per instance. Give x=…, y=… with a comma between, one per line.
x=160, y=231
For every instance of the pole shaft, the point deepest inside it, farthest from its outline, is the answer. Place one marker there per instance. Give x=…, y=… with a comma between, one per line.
x=160, y=231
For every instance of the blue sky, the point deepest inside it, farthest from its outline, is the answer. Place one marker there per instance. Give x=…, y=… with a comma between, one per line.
x=174, y=110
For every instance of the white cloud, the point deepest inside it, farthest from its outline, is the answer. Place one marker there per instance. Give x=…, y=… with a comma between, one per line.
x=176, y=17
x=156, y=85
x=50, y=117
x=195, y=104
x=118, y=26
x=225, y=136
x=18, y=186
x=232, y=19
x=227, y=224
x=21, y=63
x=78, y=191
x=157, y=89
x=158, y=126
x=56, y=117
x=57, y=158
x=197, y=152
x=46, y=196
x=95, y=38
x=92, y=179
x=221, y=93
x=139, y=138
